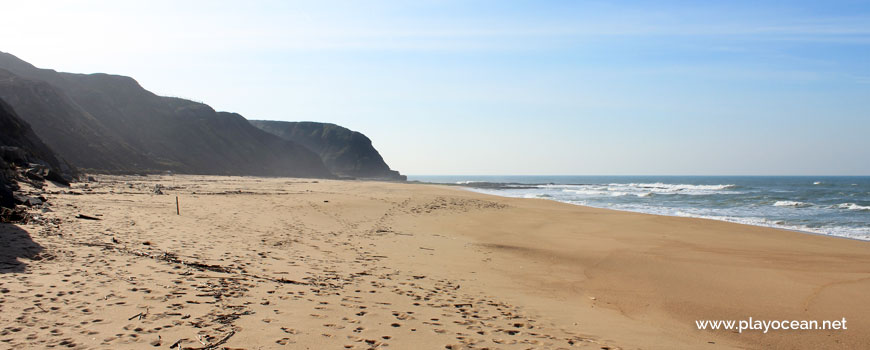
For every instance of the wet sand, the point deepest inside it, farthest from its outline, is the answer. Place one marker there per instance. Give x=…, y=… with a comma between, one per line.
x=256, y=263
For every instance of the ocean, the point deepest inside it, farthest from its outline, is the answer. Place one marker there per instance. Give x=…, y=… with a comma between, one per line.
x=828, y=205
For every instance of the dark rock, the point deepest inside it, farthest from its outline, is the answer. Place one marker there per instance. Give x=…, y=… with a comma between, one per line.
x=58, y=178
x=37, y=173
x=7, y=199
x=13, y=215
x=24, y=157
x=26, y=200
x=14, y=155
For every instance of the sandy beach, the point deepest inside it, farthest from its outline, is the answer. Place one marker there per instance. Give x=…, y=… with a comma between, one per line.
x=284, y=263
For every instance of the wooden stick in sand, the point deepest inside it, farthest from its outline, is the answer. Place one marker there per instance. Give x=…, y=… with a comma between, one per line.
x=177, y=208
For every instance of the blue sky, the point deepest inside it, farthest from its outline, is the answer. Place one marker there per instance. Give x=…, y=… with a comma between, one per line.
x=503, y=87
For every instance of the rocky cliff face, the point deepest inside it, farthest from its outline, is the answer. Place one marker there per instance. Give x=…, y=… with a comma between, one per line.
x=345, y=152
x=24, y=157
x=109, y=123
x=83, y=139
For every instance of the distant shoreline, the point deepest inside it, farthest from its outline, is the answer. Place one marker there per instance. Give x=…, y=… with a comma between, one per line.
x=828, y=206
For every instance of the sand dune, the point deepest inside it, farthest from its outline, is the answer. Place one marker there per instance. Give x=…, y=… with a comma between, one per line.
x=255, y=263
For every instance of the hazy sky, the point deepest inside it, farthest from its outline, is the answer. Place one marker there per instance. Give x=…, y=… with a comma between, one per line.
x=502, y=87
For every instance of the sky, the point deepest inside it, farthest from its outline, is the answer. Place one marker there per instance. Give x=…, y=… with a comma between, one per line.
x=503, y=87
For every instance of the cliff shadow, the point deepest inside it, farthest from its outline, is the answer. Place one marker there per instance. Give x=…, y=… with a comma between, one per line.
x=16, y=243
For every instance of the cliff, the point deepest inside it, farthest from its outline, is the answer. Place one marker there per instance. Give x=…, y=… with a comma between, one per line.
x=345, y=152
x=109, y=123
x=24, y=157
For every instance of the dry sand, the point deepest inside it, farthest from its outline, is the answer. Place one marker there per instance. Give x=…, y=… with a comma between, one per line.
x=255, y=263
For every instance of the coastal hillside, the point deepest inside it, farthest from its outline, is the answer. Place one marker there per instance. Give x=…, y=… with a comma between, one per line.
x=345, y=152
x=24, y=157
x=55, y=117
x=109, y=123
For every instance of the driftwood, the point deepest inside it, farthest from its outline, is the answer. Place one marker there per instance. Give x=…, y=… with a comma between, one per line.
x=86, y=217
x=176, y=343
x=276, y=280
x=140, y=315
x=215, y=344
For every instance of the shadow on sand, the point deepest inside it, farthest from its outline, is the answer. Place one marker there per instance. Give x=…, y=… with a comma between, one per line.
x=16, y=243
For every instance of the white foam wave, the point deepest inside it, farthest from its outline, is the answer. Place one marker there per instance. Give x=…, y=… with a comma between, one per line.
x=845, y=232
x=643, y=189
x=859, y=233
x=679, y=187
x=587, y=192
x=795, y=204
x=852, y=206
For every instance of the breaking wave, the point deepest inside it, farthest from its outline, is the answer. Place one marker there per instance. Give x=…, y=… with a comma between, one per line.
x=795, y=204
x=644, y=189
x=837, y=206
x=852, y=206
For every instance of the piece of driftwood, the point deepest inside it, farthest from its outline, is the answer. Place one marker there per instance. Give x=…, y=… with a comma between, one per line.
x=176, y=343
x=276, y=280
x=139, y=315
x=215, y=344
x=86, y=217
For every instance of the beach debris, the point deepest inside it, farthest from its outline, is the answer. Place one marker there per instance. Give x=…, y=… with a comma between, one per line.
x=140, y=315
x=424, y=248
x=210, y=346
x=86, y=217
x=176, y=343
x=158, y=189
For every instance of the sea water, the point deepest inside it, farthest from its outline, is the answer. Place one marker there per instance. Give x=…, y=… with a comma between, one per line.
x=836, y=206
